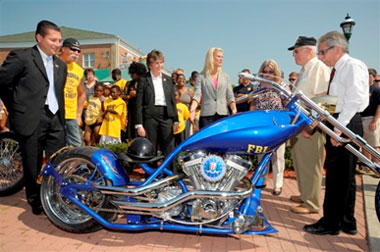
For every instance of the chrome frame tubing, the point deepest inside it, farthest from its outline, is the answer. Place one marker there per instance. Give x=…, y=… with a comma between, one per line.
x=354, y=138
x=306, y=103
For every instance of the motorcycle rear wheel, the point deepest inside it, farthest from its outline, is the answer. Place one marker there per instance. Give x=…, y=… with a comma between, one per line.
x=76, y=167
x=11, y=168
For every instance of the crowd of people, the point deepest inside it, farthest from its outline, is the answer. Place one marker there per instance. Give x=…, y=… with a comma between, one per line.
x=66, y=105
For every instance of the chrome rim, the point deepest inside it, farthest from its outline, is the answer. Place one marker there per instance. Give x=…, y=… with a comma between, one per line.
x=75, y=170
x=11, y=170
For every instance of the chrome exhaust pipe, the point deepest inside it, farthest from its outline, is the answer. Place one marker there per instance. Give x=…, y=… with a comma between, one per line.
x=164, y=206
x=137, y=190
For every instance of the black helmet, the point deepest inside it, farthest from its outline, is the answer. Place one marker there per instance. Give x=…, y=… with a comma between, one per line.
x=141, y=148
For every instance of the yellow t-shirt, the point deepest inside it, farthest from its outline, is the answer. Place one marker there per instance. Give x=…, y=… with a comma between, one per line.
x=2, y=106
x=74, y=77
x=183, y=114
x=94, y=110
x=121, y=83
x=113, y=123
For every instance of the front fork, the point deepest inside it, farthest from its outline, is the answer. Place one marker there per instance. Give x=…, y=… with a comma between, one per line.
x=250, y=217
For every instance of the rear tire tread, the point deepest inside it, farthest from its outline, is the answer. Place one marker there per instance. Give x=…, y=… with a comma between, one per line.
x=88, y=226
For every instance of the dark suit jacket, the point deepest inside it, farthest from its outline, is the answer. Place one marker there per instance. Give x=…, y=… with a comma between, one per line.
x=146, y=97
x=24, y=85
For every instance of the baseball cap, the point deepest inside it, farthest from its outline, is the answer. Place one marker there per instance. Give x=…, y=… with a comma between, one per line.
x=70, y=42
x=302, y=41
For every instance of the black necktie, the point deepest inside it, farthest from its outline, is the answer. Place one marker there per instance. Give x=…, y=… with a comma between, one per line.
x=331, y=78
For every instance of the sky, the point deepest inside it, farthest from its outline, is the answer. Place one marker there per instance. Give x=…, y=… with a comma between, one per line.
x=248, y=31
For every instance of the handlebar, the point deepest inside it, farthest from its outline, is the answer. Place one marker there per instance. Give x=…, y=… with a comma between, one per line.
x=298, y=100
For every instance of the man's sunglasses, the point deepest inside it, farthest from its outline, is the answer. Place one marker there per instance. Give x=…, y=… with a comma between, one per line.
x=75, y=49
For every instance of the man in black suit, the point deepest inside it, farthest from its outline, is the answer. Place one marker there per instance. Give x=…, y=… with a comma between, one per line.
x=31, y=86
x=156, y=111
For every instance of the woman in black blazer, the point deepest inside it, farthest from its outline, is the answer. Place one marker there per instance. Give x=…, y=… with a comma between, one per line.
x=156, y=112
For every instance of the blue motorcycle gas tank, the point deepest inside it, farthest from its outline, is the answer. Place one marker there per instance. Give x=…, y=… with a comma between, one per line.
x=252, y=132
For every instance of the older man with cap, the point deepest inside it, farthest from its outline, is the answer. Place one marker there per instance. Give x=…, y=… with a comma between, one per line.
x=349, y=82
x=75, y=94
x=307, y=150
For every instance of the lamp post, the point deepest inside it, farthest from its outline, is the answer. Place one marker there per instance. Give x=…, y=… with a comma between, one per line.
x=347, y=25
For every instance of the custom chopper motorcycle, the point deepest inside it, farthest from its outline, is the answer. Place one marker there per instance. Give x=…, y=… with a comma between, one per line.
x=87, y=188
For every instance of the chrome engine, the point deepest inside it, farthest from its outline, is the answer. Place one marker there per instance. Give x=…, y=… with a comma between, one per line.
x=216, y=187
x=213, y=172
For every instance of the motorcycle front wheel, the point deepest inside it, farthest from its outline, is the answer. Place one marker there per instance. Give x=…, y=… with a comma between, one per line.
x=11, y=169
x=377, y=201
x=76, y=167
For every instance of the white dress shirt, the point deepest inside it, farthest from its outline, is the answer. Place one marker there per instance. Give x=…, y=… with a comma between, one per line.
x=314, y=78
x=43, y=56
x=350, y=85
x=159, y=95
x=44, y=60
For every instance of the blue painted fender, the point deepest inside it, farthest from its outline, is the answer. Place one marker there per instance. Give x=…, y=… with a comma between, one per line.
x=110, y=166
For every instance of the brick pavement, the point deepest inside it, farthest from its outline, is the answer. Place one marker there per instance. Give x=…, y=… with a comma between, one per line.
x=22, y=231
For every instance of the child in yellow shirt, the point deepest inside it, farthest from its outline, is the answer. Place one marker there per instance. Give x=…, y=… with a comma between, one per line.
x=3, y=117
x=115, y=115
x=183, y=114
x=94, y=115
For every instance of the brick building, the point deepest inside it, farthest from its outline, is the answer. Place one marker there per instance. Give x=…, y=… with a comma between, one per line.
x=100, y=51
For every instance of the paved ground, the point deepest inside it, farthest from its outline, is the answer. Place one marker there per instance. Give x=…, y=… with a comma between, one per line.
x=22, y=231
x=373, y=225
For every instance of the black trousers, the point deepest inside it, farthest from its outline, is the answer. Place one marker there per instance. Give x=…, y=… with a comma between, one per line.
x=339, y=202
x=206, y=120
x=179, y=138
x=159, y=130
x=48, y=137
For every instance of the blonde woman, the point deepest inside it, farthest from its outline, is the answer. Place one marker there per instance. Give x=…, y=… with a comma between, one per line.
x=213, y=89
x=271, y=100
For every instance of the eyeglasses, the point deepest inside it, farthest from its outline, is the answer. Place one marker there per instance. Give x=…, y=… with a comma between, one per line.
x=267, y=72
x=323, y=52
x=377, y=80
x=292, y=79
x=75, y=49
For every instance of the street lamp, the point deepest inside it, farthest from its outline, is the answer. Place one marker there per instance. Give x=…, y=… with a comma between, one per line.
x=347, y=25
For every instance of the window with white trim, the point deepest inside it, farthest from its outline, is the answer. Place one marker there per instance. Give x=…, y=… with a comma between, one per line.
x=88, y=60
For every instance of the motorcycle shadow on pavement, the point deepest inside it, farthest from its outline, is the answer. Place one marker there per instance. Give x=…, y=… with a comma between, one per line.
x=16, y=217
x=20, y=226
x=16, y=200
x=290, y=225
